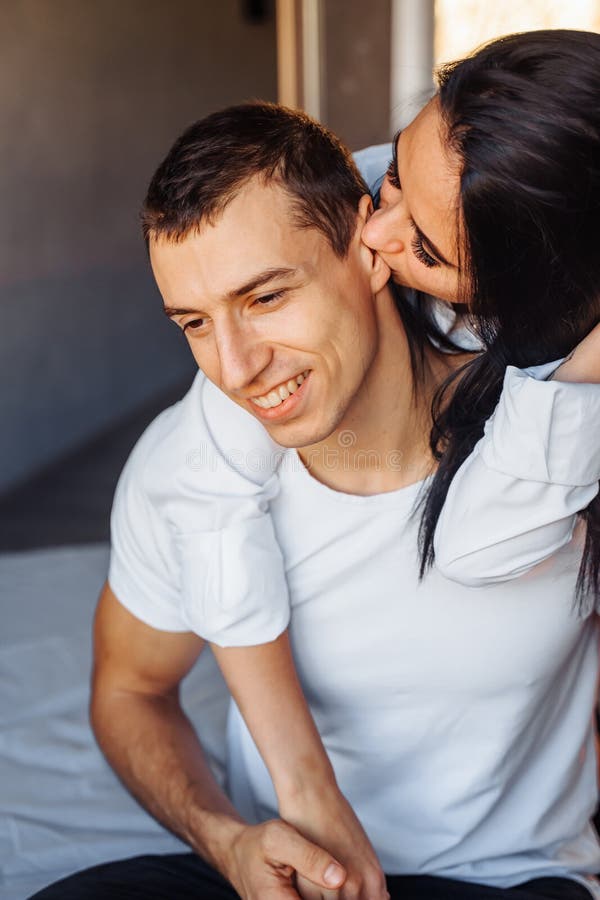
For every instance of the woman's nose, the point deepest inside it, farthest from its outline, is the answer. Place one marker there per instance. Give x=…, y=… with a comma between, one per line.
x=381, y=232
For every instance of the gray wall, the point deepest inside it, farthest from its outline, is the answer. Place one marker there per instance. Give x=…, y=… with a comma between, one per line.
x=356, y=80
x=92, y=93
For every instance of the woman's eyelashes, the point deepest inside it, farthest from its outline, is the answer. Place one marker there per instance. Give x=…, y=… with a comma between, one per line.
x=416, y=242
x=265, y=300
x=392, y=174
x=421, y=253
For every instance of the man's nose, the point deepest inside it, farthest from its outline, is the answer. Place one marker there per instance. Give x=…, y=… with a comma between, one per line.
x=242, y=356
x=382, y=232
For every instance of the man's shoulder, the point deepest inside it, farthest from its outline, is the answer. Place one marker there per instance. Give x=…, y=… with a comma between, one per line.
x=372, y=163
x=204, y=442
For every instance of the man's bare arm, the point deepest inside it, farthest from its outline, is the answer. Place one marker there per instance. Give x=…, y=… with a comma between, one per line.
x=147, y=738
x=143, y=731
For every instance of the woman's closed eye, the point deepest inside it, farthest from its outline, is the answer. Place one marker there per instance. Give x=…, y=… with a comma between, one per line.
x=421, y=253
x=392, y=174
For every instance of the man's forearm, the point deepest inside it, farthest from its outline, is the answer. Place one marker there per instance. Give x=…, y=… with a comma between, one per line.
x=154, y=749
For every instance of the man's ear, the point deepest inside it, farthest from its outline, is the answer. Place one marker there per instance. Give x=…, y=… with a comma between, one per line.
x=378, y=270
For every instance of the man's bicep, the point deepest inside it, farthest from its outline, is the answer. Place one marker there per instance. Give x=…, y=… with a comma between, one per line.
x=131, y=656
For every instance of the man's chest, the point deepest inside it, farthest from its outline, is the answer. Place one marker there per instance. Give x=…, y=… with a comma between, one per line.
x=363, y=626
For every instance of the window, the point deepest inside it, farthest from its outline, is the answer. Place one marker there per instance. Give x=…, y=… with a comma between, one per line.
x=462, y=25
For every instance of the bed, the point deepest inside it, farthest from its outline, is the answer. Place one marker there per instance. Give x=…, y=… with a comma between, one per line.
x=61, y=806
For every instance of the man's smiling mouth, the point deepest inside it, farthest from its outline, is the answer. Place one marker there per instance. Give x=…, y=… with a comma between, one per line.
x=281, y=392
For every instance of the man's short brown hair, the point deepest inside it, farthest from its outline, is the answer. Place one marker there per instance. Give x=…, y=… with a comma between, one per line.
x=215, y=157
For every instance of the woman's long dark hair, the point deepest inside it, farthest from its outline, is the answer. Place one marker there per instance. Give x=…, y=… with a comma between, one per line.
x=523, y=116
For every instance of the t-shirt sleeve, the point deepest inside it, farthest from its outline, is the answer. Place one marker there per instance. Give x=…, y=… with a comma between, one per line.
x=193, y=547
x=143, y=571
x=514, y=501
x=233, y=585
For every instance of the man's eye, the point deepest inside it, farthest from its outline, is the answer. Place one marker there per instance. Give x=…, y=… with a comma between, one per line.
x=392, y=175
x=269, y=298
x=194, y=325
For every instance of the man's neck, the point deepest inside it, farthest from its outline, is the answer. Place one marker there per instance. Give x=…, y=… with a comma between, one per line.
x=382, y=443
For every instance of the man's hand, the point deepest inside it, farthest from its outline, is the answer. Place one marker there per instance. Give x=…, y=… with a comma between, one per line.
x=326, y=817
x=265, y=861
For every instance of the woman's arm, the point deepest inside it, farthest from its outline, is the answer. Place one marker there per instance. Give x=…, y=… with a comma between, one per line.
x=265, y=686
x=147, y=738
x=583, y=365
x=514, y=501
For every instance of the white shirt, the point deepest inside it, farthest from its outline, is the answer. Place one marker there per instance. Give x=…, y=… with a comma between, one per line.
x=192, y=541
x=515, y=499
x=458, y=719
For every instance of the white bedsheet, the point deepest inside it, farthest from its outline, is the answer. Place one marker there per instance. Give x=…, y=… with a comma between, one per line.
x=61, y=806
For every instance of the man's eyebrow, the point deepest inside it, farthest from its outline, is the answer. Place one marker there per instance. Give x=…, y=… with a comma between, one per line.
x=261, y=279
x=257, y=281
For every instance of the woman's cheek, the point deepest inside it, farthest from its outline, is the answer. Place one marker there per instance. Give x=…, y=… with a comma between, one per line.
x=436, y=282
x=421, y=278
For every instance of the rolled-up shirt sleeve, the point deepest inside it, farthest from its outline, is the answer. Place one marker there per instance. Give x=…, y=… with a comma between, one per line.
x=514, y=501
x=193, y=546
x=234, y=591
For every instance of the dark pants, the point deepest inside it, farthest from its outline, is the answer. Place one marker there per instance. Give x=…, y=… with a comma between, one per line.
x=183, y=876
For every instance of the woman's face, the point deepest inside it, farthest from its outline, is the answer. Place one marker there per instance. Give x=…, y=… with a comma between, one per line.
x=415, y=228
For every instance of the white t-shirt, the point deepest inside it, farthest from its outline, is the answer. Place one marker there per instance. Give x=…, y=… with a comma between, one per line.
x=458, y=719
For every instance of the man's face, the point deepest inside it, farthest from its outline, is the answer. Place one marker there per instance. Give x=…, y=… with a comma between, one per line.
x=271, y=312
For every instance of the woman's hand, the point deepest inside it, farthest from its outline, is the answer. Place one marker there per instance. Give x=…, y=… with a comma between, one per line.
x=583, y=364
x=324, y=816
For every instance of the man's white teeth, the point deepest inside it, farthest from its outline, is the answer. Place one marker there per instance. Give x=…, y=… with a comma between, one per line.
x=280, y=393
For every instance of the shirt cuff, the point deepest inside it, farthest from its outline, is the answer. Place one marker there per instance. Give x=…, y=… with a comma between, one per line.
x=546, y=431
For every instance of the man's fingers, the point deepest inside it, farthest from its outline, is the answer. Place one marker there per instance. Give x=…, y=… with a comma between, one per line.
x=310, y=891
x=285, y=846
